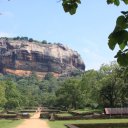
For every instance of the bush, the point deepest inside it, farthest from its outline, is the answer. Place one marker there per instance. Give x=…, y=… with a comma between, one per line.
x=8, y=116
x=45, y=115
x=27, y=111
x=11, y=112
x=30, y=40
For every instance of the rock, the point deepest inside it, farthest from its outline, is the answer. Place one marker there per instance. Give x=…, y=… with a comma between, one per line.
x=21, y=57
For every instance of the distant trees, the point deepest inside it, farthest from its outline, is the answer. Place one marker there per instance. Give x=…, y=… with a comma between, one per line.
x=91, y=87
x=24, y=39
x=30, y=40
x=12, y=95
x=106, y=87
x=69, y=95
x=2, y=94
x=44, y=42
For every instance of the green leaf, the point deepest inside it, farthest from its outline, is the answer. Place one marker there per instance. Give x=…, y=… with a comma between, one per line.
x=121, y=22
x=117, y=2
x=122, y=58
x=72, y=10
x=122, y=36
x=125, y=1
x=124, y=12
x=122, y=45
x=112, y=44
x=78, y=1
x=112, y=41
x=70, y=6
x=66, y=7
x=110, y=1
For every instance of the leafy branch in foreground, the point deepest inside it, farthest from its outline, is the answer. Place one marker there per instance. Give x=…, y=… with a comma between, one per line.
x=70, y=5
x=120, y=35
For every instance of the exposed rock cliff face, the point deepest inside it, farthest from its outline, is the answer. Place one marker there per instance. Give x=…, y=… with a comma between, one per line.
x=21, y=58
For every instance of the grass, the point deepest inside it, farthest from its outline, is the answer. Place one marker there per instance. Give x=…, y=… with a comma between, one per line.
x=9, y=123
x=60, y=124
x=1, y=109
x=64, y=114
x=87, y=110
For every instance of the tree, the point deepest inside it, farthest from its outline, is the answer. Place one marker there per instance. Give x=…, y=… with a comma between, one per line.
x=90, y=87
x=69, y=94
x=2, y=94
x=111, y=91
x=29, y=89
x=12, y=95
x=30, y=40
x=113, y=85
x=44, y=42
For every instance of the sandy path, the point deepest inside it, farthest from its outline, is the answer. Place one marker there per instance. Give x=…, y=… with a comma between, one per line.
x=34, y=122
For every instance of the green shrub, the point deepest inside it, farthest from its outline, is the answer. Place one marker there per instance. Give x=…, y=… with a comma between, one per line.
x=45, y=115
x=8, y=116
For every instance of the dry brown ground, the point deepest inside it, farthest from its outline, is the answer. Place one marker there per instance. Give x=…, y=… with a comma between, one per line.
x=34, y=122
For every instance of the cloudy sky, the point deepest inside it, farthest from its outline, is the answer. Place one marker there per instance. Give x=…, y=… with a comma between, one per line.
x=86, y=32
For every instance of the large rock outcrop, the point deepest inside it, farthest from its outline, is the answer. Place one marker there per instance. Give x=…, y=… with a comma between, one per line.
x=22, y=58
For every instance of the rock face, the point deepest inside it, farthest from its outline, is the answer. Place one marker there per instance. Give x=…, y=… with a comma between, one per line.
x=22, y=58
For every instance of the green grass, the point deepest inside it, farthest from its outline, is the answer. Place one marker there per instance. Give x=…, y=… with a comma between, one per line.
x=9, y=123
x=87, y=110
x=1, y=109
x=60, y=124
x=64, y=114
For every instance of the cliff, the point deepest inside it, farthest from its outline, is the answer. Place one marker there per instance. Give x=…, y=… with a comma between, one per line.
x=21, y=57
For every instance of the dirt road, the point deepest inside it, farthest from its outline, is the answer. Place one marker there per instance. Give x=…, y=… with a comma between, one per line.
x=34, y=122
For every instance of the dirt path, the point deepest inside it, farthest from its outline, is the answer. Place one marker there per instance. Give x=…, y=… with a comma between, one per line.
x=34, y=122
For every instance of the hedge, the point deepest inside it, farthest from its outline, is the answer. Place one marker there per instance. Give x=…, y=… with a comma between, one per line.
x=45, y=115
x=8, y=116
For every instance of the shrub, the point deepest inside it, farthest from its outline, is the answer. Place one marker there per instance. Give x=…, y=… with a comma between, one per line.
x=8, y=116
x=45, y=115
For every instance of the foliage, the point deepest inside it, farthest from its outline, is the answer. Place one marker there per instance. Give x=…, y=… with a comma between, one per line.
x=12, y=95
x=2, y=93
x=44, y=42
x=113, y=86
x=90, y=86
x=69, y=94
x=106, y=87
x=30, y=40
x=70, y=5
x=120, y=36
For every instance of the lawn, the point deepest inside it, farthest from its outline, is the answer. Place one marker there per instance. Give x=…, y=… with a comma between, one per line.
x=64, y=114
x=87, y=110
x=9, y=123
x=60, y=124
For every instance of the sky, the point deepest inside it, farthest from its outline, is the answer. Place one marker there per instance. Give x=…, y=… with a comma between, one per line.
x=85, y=32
